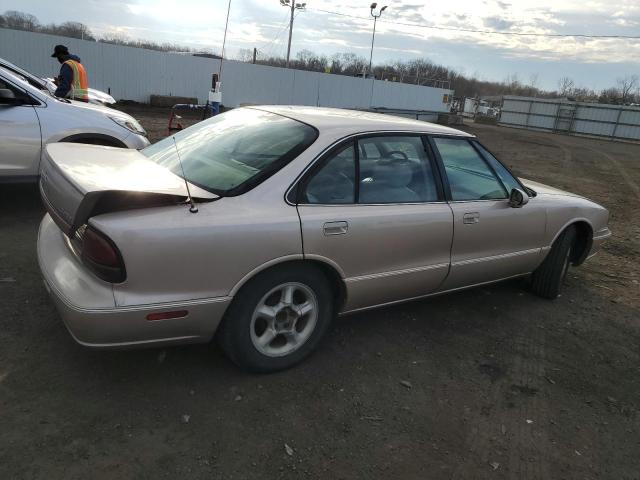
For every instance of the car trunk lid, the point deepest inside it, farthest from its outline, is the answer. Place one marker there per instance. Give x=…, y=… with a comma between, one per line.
x=79, y=181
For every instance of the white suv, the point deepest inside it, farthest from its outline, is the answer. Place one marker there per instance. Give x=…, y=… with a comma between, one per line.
x=31, y=118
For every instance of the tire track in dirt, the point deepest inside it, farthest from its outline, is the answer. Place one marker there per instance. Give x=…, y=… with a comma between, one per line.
x=517, y=417
x=611, y=159
x=622, y=170
x=529, y=440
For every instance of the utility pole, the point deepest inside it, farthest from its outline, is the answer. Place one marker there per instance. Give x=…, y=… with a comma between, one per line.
x=293, y=6
x=375, y=20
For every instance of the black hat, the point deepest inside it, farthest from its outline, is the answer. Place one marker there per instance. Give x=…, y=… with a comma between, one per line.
x=60, y=50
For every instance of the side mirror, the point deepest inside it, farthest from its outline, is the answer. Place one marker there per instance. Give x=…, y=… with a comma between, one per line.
x=518, y=198
x=7, y=97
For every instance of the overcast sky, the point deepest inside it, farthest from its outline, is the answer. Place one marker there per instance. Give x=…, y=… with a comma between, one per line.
x=593, y=63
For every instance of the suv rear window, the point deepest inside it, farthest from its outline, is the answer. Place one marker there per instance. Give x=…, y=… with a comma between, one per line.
x=233, y=152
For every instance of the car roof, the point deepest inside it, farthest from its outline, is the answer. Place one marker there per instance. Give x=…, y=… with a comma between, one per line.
x=356, y=121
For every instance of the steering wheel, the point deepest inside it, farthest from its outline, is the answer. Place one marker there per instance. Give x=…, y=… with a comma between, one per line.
x=398, y=152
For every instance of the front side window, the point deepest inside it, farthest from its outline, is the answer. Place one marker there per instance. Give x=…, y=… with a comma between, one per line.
x=470, y=178
x=234, y=151
x=509, y=181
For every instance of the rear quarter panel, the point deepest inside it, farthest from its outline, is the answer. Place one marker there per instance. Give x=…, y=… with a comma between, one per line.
x=171, y=254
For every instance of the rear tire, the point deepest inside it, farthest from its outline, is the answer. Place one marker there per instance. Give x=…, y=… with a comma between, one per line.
x=547, y=279
x=277, y=319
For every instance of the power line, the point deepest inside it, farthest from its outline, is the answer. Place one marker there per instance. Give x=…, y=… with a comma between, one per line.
x=269, y=45
x=488, y=32
x=282, y=25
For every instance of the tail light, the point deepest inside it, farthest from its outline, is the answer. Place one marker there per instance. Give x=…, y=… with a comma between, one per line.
x=102, y=256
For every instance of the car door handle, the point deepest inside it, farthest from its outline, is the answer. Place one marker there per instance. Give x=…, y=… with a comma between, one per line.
x=335, y=228
x=471, y=218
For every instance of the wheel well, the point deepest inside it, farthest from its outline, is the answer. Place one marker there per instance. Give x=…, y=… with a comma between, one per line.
x=335, y=281
x=582, y=245
x=94, y=139
x=333, y=277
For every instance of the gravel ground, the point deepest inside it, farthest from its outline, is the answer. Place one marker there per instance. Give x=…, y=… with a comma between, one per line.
x=487, y=383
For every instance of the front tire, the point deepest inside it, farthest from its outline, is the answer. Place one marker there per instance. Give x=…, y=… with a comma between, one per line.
x=547, y=279
x=277, y=319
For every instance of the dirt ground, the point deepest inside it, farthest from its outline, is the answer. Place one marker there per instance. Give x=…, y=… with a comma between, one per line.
x=502, y=384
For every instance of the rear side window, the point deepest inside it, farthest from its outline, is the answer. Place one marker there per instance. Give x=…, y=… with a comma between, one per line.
x=401, y=174
x=387, y=170
x=470, y=177
x=334, y=183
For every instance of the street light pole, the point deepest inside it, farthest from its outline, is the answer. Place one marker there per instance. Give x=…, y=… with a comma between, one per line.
x=375, y=20
x=293, y=6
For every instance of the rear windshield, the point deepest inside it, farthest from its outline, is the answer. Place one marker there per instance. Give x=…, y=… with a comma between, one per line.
x=233, y=152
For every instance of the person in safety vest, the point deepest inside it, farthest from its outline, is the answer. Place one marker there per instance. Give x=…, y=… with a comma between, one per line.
x=72, y=82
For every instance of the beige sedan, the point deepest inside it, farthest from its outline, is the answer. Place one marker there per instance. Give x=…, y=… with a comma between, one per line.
x=258, y=226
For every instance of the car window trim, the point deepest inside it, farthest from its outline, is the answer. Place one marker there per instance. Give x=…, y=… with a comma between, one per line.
x=293, y=195
x=356, y=158
x=34, y=102
x=445, y=178
x=435, y=168
x=319, y=165
x=493, y=170
x=426, y=154
x=475, y=143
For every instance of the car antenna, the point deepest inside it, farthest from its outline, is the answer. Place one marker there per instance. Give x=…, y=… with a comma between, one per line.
x=193, y=208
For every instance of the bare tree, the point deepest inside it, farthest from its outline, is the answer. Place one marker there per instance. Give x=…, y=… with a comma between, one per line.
x=584, y=94
x=609, y=95
x=245, y=55
x=626, y=86
x=565, y=86
x=533, y=84
x=402, y=69
x=20, y=21
x=69, y=29
x=353, y=64
x=76, y=30
x=336, y=63
x=513, y=83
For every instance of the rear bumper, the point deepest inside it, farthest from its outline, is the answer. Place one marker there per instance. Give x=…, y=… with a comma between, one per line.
x=87, y=308
x=599, y=238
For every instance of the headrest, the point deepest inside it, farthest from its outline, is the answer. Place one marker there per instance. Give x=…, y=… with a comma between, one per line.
x=394, y=172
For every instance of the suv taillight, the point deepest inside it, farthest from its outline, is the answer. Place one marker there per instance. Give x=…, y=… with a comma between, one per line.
x=102, y=257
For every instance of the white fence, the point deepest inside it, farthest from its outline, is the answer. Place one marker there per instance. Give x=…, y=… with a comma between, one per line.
x=135, y=74
x=616, y=122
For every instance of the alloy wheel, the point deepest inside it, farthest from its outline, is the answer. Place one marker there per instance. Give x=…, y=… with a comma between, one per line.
x=284, y=319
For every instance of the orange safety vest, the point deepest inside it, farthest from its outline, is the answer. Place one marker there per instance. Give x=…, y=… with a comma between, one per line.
x=80, y=85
